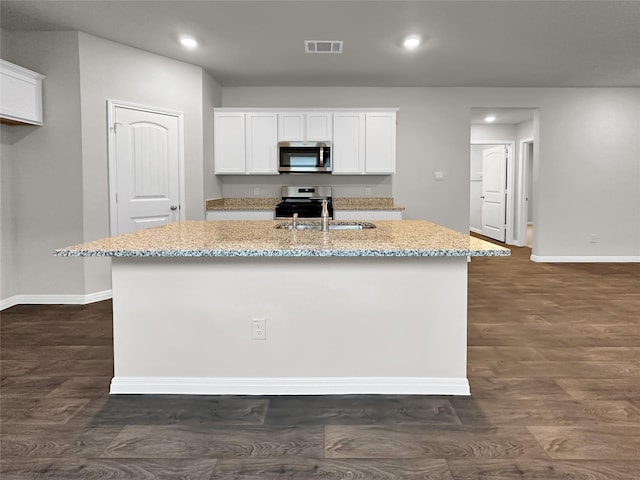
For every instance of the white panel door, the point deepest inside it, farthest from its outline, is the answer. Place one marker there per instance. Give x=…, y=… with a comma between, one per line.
x=229, y=143
x=494, y=181
x=318, y=127
x=290, y=127
x=262, y=143
x=348, y=143
x=147, y=168
x=380, y=143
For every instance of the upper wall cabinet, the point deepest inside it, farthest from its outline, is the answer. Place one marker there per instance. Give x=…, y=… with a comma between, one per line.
x=364, y=143
x=304, y=126
x=363, y=140
x=245, y=143
x=348, y=143
x=380, y=143
x=20, y=95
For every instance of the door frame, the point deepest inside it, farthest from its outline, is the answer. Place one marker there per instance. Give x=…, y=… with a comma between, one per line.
x=523, y=181
x=510, y=144
x=112, y=105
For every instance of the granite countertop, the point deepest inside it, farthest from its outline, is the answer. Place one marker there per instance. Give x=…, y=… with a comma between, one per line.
x=344, y=203
x=242, y=203
x=365, y=203
x=238, y=238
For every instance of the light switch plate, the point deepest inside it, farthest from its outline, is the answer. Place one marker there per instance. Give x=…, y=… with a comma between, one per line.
x=438, y=175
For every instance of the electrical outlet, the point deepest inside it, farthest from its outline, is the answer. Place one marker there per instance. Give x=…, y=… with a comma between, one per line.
x=594, y=238
x=367, y=192
x=256, y=191
x=258, y=328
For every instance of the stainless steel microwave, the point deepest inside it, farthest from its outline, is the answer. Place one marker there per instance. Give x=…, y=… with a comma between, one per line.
x=304, y=157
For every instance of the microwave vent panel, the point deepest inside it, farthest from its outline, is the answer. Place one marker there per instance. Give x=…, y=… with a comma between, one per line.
x=323, y=46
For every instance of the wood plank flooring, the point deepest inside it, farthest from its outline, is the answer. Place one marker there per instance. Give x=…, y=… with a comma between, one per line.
x=554, y=366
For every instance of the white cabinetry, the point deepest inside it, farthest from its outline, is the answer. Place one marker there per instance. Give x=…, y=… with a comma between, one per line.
x=20, y=95
x=364, y=143
x=245, y=143
x=262, y=143
x=229, y=143
x=380, y=143
x=348, y=143
x=304, y=126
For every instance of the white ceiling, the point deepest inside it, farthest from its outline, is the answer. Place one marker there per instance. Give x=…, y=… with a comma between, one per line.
x=467, y=43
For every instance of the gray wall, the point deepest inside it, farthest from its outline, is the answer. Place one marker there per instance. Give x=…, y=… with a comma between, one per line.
x=140, y=78
x=587, y=170
x=45, y=197
x=211, y=96
x=56, y=176
x=55, y=186
x=7, y=288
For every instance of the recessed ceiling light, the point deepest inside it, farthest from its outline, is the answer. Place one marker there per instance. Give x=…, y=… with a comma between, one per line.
x=490, y=118
x=188, y=42
x=411, y=42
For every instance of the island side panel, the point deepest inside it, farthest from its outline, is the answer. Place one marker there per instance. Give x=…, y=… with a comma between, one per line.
x=348, y=324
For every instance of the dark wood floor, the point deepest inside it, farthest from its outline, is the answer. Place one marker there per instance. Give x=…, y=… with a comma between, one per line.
x=554, y=365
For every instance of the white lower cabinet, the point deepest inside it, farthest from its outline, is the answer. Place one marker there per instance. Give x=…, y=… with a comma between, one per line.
x=240, y=214
x=367, y=215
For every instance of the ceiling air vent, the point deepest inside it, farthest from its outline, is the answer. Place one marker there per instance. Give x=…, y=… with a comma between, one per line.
x=323, y=46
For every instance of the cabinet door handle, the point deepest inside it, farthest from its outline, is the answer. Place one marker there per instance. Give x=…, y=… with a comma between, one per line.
x=174, y=207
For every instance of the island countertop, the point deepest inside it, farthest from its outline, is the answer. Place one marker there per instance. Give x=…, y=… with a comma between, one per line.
x=397, y=238
x=266, y=204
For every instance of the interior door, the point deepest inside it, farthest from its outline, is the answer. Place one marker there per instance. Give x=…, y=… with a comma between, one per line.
x=494, y=189
x=146, y=154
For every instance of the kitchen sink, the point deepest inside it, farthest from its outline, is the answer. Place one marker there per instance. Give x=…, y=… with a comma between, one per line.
x=336, y=225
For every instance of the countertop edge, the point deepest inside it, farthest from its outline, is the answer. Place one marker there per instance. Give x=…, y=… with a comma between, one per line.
x=281, y=253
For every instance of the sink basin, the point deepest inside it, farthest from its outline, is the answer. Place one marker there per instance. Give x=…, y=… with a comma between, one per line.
x=336, y=225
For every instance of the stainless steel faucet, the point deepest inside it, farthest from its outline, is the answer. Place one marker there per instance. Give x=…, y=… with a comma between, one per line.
x=294, y=221
x=324, y=217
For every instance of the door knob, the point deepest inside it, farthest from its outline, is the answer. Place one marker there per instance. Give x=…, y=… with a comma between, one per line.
x=174, y=207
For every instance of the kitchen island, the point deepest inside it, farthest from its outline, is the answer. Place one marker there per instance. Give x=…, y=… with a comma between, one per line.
x=379, y=310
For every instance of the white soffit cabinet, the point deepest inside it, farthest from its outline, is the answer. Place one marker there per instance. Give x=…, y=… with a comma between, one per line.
x=20, y=95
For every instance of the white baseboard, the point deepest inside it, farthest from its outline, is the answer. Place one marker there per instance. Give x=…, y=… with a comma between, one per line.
x=585, y=259
x=475, y=230
x=290, y=386
x=54, y=299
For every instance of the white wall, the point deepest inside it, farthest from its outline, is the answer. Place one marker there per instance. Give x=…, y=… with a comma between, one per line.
x=587, y=169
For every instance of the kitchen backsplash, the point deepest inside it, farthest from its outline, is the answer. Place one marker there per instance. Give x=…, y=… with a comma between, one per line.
x=269, y=186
